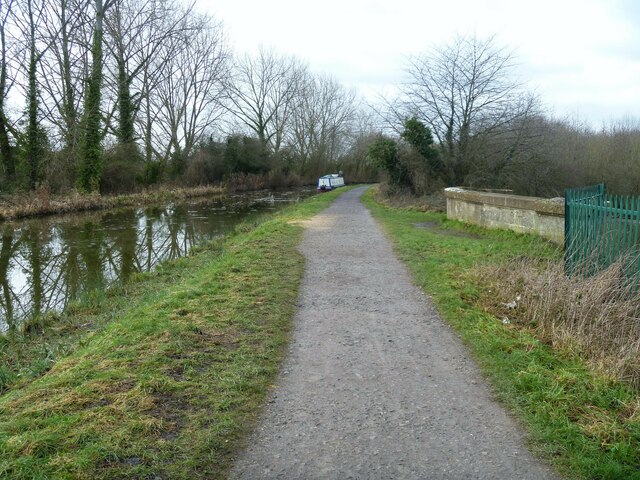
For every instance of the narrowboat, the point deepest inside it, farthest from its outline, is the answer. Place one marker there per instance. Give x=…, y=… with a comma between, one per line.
x=331, y=181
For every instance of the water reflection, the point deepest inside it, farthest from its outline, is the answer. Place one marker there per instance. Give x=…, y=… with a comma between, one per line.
x=46, y=263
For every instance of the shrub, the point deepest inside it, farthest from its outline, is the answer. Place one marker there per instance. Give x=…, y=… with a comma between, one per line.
x=422, y=180
x=418, y=135
x=241, y=182
x=153, y=172
x=276, y=179
x=123, y=169
x=246, y=155
x=384, y=152
x=206, y=165
x=60, y=171
x=196, y=171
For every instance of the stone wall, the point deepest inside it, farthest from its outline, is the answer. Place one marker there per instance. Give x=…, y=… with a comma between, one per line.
x=496, y=210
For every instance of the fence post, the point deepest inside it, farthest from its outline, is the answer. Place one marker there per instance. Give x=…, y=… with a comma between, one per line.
x=587, y=204
x=567, y=230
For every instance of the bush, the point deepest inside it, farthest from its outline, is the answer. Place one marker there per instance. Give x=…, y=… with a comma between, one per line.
x=276, y=179
x=418, y=135
x=412, y=164
x=240, y=182
x=196, y=172
x=122, y=172
x=60, y=171
x=384, y=152
x=153, y=172
x=206, y=165
x=357, y=164
x=423, y=181
x=246, y=155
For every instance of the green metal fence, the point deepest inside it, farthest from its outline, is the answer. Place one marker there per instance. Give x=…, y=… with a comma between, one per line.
x=601, y=229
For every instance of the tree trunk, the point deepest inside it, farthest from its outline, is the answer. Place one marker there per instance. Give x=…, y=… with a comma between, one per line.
x=125, y=106
x=34, y=146
x=5, y=147
x=91, y=157
x=68, y=102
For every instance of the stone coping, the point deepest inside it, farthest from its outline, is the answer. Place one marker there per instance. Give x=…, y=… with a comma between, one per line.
x=545, y=206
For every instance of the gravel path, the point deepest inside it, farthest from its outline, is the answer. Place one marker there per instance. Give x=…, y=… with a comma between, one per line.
x=375, y=385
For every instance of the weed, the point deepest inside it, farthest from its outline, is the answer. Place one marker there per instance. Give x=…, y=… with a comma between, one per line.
x=403, y=199
x=597, y=317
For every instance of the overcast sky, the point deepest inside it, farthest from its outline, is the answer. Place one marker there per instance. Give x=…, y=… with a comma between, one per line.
x=581, y=56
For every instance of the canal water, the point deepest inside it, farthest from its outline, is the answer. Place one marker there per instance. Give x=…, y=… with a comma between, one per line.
x=47, y=262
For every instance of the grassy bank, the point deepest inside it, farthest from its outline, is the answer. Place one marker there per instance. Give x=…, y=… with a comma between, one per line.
x=584, y=422
x=42, y=202
x=165, y=375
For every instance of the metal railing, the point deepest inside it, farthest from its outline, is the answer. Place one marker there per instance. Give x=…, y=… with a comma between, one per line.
x=601, y=229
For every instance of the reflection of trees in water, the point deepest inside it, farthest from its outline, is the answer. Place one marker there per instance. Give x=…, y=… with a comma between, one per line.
x=29, y=273
x=7, y=298
x=144, y=240
x=45, y=263
x=43, y=266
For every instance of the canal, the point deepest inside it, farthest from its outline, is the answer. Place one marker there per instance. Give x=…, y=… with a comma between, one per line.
x=45, y=263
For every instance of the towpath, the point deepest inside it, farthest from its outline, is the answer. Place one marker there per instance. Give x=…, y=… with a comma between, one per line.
x=375, y=385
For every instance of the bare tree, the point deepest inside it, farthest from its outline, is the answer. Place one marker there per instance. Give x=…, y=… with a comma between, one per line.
x=32, y=22
x=518, y=157
x=138, y=29
x=364, y=131
x=262, y=92
x=91, y=144
x=187, y=100
x=321, y=122
x=64, y=69
x=6, y=82
x=463, y=91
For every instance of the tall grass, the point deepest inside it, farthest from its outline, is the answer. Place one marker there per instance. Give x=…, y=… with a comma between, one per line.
x=43, y=202
x=434, y=202
x=596, y=316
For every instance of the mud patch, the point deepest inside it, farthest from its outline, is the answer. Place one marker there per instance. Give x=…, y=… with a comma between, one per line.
x=436, y=228
x=171, y=410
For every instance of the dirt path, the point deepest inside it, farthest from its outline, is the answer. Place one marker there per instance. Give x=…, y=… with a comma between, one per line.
x=375, y=385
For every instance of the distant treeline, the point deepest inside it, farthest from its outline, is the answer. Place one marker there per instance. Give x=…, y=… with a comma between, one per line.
x=462, y=118
x=116, y=95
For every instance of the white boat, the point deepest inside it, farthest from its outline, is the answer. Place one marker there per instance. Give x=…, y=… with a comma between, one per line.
x=331, y=181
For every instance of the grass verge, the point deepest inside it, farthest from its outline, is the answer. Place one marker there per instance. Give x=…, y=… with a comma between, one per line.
x=173, y=370
x=587, y=424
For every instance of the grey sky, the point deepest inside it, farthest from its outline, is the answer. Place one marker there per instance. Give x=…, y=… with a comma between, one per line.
x=581, y=56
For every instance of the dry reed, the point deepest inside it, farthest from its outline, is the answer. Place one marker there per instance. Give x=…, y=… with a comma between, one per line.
x=242, y=182
x=42, y=202
x=435, y=202
x=598, y=317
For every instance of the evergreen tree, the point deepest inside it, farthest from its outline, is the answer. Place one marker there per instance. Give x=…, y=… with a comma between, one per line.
x=91, y=154
x=35, y=140
x=419, y=136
